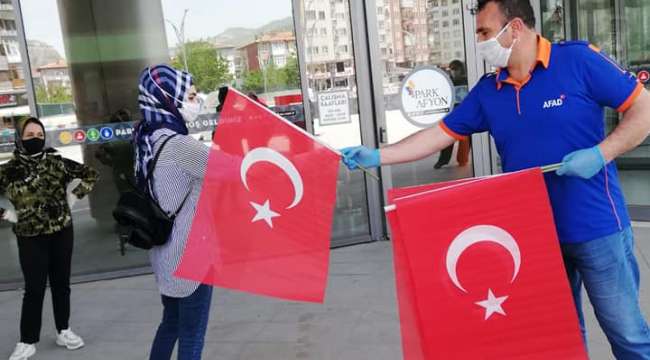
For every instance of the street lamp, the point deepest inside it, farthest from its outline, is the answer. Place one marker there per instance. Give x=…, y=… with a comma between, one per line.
x=180, y=36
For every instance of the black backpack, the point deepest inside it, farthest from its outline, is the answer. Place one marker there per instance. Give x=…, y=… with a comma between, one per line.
x=144, y=223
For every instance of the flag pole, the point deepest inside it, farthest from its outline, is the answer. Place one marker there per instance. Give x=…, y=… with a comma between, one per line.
x=551, y=167
x=545, y=169
x=301, y=130
x=276, y=115
x=368, y=172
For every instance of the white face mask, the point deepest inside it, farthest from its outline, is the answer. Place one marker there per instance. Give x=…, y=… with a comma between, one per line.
x=190, y=110
x=492, y=51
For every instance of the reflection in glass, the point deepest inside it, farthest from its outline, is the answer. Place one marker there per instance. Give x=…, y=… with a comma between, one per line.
x=596, y=22
x=413, y=34
x=86, y=57
x=13, y=92
x=553, y=20
x=635, y=165
x=332, y=94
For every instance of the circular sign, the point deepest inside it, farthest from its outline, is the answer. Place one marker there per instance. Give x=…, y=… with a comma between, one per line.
x=643, y=76
x=106, y=133
x=427, y=95
x=93, y=134
x=65, y=137
x=79, y=135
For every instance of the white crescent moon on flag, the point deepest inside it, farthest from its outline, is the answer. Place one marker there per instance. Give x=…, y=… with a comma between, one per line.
x=269, y=155
x=477, y=234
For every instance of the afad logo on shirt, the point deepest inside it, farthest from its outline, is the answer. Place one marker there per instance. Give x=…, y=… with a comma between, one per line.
x=554, y=102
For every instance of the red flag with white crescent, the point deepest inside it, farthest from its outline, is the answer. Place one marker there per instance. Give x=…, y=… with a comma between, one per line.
x=264, y=217
x=479, y=271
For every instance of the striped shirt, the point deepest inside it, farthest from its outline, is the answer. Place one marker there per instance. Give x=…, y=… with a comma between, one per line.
x=180, y=168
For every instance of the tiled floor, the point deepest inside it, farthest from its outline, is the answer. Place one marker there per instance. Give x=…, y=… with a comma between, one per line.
x=358, y=320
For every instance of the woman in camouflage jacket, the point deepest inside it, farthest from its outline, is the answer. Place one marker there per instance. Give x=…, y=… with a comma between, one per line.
x=35, y=181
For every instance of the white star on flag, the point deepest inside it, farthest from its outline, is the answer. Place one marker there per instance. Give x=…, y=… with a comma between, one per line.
x=264, y=212
x=492, y=304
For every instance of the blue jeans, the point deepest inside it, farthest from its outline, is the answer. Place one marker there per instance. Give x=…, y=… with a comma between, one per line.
x=609, y=271
x=186, y=320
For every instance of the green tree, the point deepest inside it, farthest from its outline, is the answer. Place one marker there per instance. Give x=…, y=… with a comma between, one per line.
x=209, y=70
x=41, y=95
x=53, y=94
x=253, y=81
x=272, y=78
x=292, y=72
x=276, y=78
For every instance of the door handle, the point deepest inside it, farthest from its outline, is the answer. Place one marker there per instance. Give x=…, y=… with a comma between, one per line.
x=383, y=138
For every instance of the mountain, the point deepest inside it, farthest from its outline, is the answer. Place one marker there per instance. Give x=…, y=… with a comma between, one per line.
x=241, y=36
x=285, y=24
x=41, y=53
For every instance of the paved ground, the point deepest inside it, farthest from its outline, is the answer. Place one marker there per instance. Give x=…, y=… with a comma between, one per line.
x=358, y=321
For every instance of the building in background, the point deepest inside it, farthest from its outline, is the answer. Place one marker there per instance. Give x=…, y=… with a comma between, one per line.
x=230, y=54
x=55, y=75
x=13, y=94
x=267, y=49
x=328, y=45
x=445, y=21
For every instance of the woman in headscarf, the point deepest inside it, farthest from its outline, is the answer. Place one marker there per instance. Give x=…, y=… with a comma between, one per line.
x=35, y=180
x=175, y=183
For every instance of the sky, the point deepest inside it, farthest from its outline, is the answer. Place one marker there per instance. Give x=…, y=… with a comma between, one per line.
x=204, y=18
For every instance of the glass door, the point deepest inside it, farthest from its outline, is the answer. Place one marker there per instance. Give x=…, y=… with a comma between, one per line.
x=330, y=96
x=421, y=64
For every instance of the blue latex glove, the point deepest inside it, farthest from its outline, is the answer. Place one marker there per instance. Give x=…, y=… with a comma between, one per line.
x=360, y=155
x=584, y=163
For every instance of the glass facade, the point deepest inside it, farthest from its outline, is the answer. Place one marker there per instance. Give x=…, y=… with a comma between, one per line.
x=85, y=60
x=414, y=35
x=334, y=116
x=334, y=68
x=622, y=29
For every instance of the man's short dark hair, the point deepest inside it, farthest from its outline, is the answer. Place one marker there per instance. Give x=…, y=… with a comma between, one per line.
x=512, y=9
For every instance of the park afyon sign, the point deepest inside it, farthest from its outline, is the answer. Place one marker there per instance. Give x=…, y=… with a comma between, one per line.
x=427, y=95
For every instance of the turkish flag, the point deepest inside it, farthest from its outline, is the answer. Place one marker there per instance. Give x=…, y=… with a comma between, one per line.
x=264, y=216
x=479, y=271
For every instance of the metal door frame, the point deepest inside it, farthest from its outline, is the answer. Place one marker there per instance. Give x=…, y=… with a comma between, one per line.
x=366, y=110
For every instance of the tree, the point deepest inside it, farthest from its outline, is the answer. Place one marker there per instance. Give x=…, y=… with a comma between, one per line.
x=272, y=78
x=53, y=94
x=276, y=79
x=209, y=70
x=253, y=81
x=292, y=72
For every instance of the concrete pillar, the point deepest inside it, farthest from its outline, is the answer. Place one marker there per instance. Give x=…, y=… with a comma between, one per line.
x=107, y=44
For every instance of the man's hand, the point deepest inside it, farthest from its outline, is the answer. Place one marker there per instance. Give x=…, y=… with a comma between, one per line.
x=584, y=163
x=10, y=215
x=356, y=156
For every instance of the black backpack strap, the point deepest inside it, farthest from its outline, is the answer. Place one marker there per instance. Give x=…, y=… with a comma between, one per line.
x=152, y=165
x=182, y=203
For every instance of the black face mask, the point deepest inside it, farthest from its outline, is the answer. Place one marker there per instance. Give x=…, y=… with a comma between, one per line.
x=33, y=146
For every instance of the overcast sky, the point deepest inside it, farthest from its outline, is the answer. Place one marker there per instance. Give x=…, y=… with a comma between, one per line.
x=204, y=18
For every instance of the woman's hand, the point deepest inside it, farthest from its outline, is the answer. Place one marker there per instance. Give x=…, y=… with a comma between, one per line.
x=70, y=196
x=10, y=215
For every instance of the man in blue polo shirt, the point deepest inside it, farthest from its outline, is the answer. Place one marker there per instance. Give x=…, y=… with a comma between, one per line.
x=545, y=105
